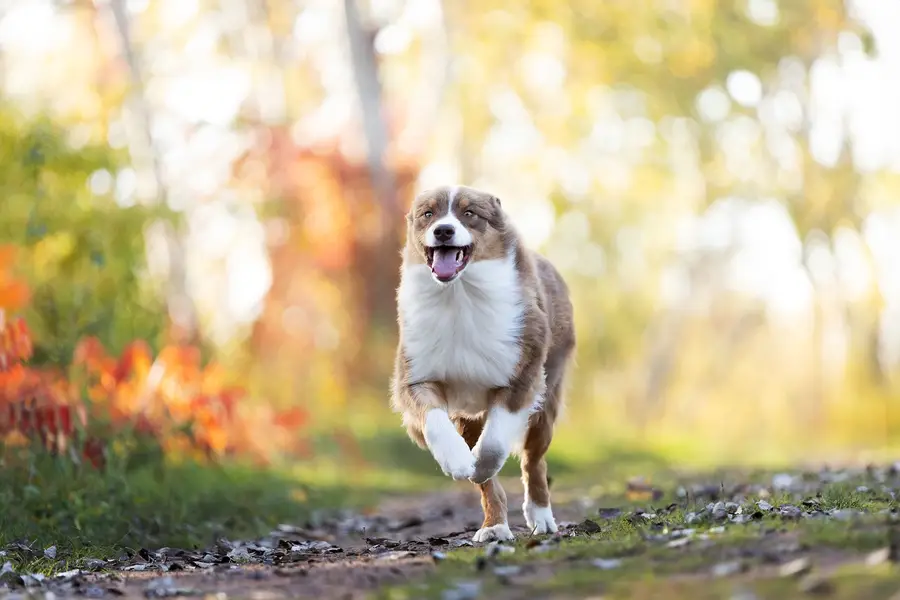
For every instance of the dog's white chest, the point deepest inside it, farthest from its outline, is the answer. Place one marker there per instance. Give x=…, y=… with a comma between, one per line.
x=467, y=333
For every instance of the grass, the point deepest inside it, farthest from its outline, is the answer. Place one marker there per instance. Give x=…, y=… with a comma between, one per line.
x=143, y=500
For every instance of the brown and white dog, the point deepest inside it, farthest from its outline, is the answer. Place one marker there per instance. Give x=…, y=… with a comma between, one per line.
x=486, y=335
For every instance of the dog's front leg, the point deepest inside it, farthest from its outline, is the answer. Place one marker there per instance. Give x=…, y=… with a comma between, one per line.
x=446, y=445
x=507, y=419
x=503, y=429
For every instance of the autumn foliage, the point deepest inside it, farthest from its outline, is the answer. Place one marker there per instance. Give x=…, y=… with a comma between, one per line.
x=187, y=407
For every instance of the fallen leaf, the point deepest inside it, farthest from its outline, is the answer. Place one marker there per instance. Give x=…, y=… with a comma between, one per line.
x=407, y=523
x=94, y=564
x=638, y=489
x=609, y=513
x=588, y=527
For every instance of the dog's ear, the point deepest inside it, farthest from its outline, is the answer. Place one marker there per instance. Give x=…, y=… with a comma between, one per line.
x=497, y=215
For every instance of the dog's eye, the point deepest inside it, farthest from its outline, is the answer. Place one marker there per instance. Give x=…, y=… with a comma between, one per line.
x=428, y=214
x=469, y=213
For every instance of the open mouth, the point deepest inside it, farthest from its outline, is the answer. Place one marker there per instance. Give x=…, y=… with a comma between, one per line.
x=446, y=262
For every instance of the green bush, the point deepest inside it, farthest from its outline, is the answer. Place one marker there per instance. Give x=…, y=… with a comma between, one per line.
x=81, y=252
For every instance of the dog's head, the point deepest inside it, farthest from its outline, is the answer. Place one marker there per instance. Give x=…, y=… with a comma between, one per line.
x=451, y=228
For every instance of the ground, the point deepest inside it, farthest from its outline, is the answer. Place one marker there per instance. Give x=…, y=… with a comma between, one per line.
x=730, y=534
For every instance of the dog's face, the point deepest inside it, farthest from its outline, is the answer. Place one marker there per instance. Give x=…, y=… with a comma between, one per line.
x=453, y=227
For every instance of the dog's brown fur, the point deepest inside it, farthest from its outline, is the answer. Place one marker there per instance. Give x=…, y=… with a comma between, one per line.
x=547, y=341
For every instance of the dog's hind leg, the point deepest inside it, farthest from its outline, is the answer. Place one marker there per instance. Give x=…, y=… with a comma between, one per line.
x=493, y=496
x=538, y=514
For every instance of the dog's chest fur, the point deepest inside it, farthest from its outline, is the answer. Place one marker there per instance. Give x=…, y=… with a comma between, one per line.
x=465, y=335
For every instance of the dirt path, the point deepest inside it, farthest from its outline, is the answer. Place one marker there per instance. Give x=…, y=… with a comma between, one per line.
x=341, y=557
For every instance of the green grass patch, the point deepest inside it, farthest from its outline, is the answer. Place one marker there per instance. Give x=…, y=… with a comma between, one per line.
x=142, y=500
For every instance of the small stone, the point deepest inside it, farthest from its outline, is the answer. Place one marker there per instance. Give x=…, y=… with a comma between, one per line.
x=395, y=555
x=683, y=533
x=842, y=514
x=732, y=507
x=137, y=568
x=94, y=591
x=691, y=518
x=496, y=548
x=814, y=584
x=606, y=564
x=507, y=570
x=50, y=552
x=782, y=481
x=727, y=569
x=878, y=557
x=763, y=506
x=679, y=542
x=32, y=579
x=463, y=590
x=69, y=574
x=239, y=555
x=795, y=567
x=789, y=511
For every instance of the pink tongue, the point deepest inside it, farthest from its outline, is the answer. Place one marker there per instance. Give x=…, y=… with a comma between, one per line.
x=445, y=264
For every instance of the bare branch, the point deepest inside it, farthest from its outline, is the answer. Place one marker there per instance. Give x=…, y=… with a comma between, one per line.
x=365, y=70
x=182, y=311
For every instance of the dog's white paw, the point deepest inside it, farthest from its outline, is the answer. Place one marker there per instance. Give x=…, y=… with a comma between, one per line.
x=459, y=466
x=448, y=447
x=500, y=533
x=539, y=518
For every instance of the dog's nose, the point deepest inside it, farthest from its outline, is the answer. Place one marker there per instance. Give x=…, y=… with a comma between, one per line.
x=443, y=233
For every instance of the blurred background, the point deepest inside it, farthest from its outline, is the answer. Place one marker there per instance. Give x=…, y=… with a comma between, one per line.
x=202, y=206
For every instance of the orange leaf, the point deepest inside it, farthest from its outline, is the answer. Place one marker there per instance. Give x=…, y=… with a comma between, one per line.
x=292, y=419
x=13, y=295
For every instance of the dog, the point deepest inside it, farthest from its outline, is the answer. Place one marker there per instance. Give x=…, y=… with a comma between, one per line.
x=486, y=337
